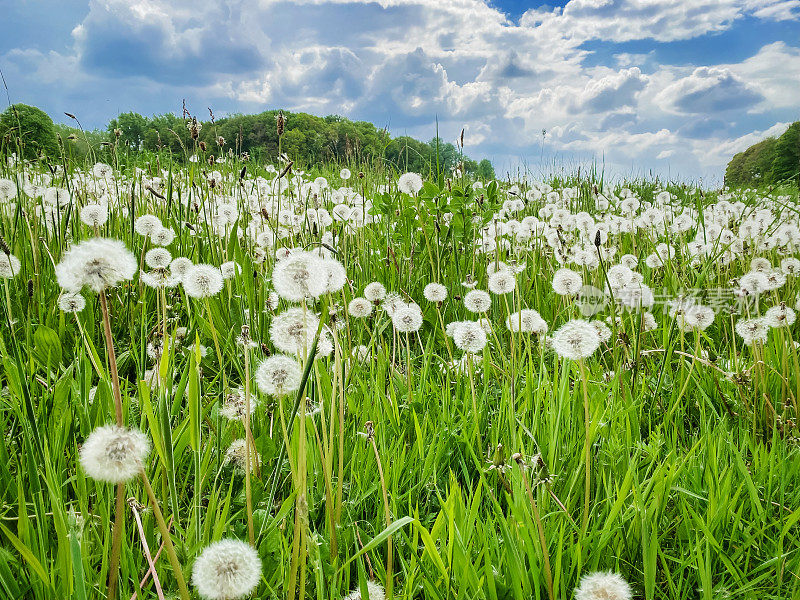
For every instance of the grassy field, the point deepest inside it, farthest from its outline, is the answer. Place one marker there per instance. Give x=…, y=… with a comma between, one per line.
x=431, y=442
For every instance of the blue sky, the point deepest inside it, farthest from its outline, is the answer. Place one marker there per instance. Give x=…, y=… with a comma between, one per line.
x=669, y=86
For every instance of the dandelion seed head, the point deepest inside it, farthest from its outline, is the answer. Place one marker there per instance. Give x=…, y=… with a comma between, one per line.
x=375, y=292
x=407, y=317
x=477, y=301
x=435, y=292
x=229, y=269
x=576, y=339
x=502, y=282
x=202, y=281
x=114, y=454
x=374, y=591
x=179, y=266
x=754, y=283
x=790, y=265
x=278, y=375
x=162, y=236
x=469, y=336
x=97, y=263
x=236, y=456
x=94, y=215
x=234, y=407
x=359, y=308
x=335, y=275
x=293, y=331
x=299, y=276
x=603, y=586
x=71, y=302
x=9, y=266
x=567, y=282
x=158, y=258
x=226, y=570
x=527, y=321
x=409, y=183
x=752, y=330
x=779, y=316
x=147, y=224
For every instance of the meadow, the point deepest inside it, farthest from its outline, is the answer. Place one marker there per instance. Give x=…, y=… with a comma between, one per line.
x=228, y=379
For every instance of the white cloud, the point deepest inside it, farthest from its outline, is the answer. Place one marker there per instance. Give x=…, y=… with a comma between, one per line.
x=405, y=63
x=788, y=10
x=708, y=90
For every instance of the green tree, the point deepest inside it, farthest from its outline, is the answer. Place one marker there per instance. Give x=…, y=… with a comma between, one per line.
x=786, y=164
x=485, y=169
x=132, y=128
x=767, y=162
x=28, y=130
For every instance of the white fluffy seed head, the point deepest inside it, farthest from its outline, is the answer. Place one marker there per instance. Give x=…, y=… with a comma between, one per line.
x=98, y=263
x=9, y=266
x=409, y=183
x=375, y=291
x=359, y=308
x=477, y=301
x=567, y=282
x=236, y=455
x=469, y=336
x=71, y=302
x=407, y=318
x=779, y=316
x=229, y=269
x=374, y=590
x=158, y=258
x=179, y=266
x=435, y=292
x=527, y=321
x=293, y=331
x=752, y=330
x=699, y=317
x=202, y=281
x=226, y=570
x=114, y=454
x=299, y=276
x=336, y=276
x=147, y=224
x=603, y=586
x=502, y=282
x=162, y=236
x=576, y=339
x=94, y=215
x=279, y=375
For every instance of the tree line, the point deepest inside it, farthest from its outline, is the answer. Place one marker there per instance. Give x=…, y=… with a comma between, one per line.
x=304, y=138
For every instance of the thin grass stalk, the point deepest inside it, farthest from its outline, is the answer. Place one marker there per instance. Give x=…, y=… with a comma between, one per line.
x=371, y=437
x=162, y=526
x=548, y=574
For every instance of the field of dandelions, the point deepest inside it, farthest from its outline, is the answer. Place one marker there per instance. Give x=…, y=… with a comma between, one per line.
x=239, y=380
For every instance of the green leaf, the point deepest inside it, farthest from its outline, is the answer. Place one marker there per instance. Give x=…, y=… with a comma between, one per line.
x=46, y=347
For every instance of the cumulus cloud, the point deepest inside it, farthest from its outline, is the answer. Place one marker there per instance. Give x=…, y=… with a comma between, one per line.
x=709, y=90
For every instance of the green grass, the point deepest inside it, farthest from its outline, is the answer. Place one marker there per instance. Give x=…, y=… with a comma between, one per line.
x=692, y=496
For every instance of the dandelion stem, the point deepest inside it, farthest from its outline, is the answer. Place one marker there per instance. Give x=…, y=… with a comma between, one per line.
x=248, y=447
x=119, y=512
x=586, y=447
